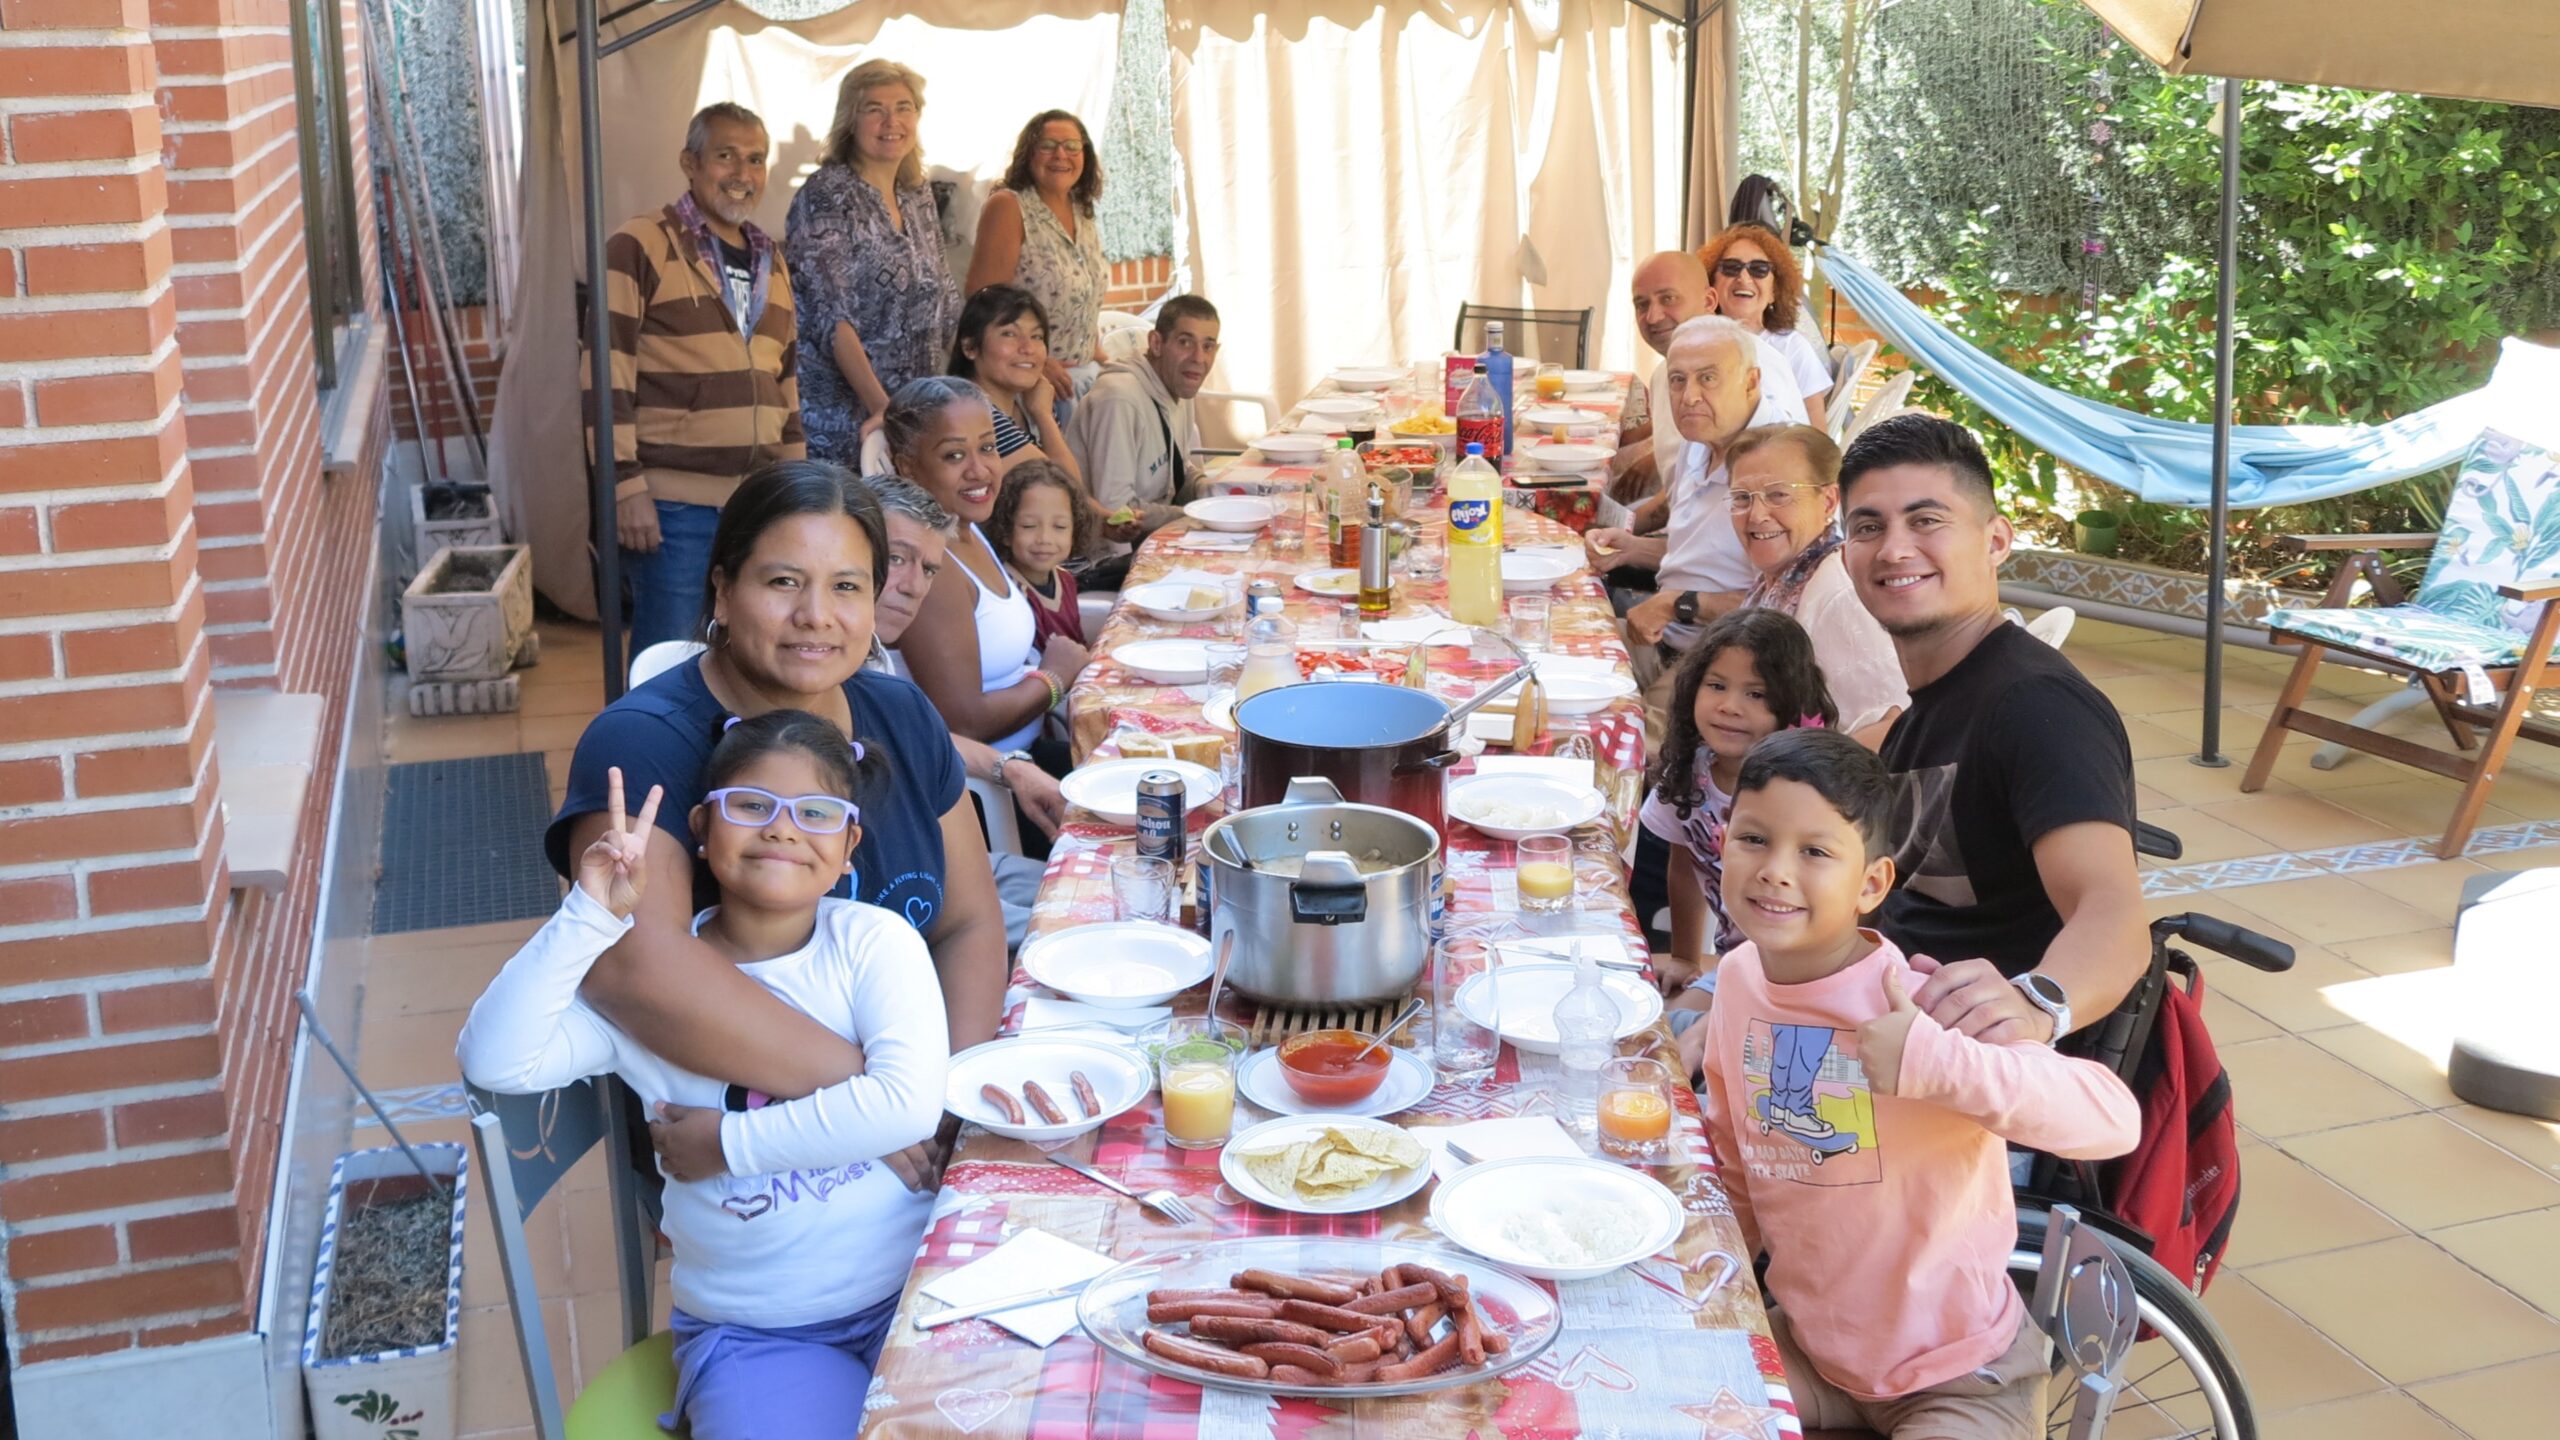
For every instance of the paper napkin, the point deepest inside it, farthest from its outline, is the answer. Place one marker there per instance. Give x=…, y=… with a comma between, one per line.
x=1507, y=1138
x=1032, y=1260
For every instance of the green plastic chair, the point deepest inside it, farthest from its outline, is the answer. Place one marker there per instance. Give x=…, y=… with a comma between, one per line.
x=526, y=1144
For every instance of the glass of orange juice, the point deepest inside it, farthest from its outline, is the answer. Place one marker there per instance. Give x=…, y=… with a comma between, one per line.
x=1635, y=1109
x=1197, y=1073
x=1545, y=874
x=1550, y=382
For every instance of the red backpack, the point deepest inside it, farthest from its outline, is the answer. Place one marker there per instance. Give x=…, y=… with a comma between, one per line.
x=2181, y=1184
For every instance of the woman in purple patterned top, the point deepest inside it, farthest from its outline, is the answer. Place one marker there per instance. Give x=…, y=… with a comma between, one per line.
x=877, y=303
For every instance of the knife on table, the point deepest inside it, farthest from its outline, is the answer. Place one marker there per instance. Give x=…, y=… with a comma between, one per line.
x=1010, y=1302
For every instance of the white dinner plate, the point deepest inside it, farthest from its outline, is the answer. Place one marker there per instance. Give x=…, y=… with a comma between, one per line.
x=1166, y=662
x=1122, y=966
x=1367, y=377
x=1292, y=445
x=1344, y=406
x=1386, y=1190
x=1587, y=380
x=1120, y=1078
x=1527, y=573
x=1472, y=1207
x=1572, y=805
x=1529, y=996
x=1336, y=584
x=1571, y=694
x=1408, y=1081
x=1169, y=600
x=1220, y=712
x=1547, y=417
x=1234, y=514
x=1565, y=459
x=1109, y=788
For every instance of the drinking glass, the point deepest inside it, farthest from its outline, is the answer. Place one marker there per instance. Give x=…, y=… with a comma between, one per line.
x=1529, y=615
x=1463, y=1049
x=1226, y=665
x=1231, y=616
x=1323, y=621
x=1231, y=777
x=1635, y=1109
x=1197, y=1074
x=1545, y=874
x=1144, y=887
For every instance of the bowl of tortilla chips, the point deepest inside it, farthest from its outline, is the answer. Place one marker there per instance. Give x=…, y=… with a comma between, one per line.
x=1325, y=1164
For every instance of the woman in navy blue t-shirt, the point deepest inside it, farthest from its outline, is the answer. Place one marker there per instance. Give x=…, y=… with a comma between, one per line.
x=796, y=565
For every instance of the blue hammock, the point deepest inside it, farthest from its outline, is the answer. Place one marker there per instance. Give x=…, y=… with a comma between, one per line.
x=2170, y=462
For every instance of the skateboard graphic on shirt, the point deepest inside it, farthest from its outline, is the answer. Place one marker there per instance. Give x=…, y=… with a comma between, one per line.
x=1816, y=1133
x=1811, y=1114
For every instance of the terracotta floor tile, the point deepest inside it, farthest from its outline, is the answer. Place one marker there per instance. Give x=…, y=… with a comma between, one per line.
x=2433, y=887
x=2188, y=784
x=493, y=1393
x=553, y=732
x=430, y=982
x=2288, y=1210
x=2149, y=741
x=2293, y=764
x=2233, y=1023
x=2531, y=793
x=503, y=935
x=2156, y=654
x=2295, y=821
x=2205, y=838
x=2513, y=860
x=2383, y=1415
x=2415, y=1072
x=2293, y=999
x=2521, y=1252
x=2415, y=804
x=2505, y=1403
x=2323, y=908
x=2408, y=1310
x=2090, y=631
x=2536, y=1142
x=2149, y=694
x=2425, y=1171
x=403, y=1050
x=2400, y=954
x=2287, y=1361
x=2288, y=1086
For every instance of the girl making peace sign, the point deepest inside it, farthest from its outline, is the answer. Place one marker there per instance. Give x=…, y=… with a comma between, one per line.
x=791, y=1242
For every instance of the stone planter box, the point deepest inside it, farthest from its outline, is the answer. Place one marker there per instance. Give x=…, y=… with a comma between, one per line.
x=478, y=527
x=2155, y=588
x=406, y=1394
x=465, y=623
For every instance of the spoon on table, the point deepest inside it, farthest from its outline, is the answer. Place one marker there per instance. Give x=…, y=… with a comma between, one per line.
x=1218, y=979
x=1411, y=1009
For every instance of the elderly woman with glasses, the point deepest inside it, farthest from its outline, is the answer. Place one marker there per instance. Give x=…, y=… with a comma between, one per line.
x=1785, y=498
x=1752, y=278
x=1038, y=233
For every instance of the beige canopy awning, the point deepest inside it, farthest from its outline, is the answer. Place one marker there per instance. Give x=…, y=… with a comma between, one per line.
x=2505, y=50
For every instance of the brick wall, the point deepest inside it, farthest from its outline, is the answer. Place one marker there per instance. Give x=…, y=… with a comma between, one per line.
x=164, y=531
x=1136, y=284
x=480, y=354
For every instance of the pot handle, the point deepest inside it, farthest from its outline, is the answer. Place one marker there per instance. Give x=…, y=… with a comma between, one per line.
x=1328, y=891
x=1441, y=761
x=1311, y=790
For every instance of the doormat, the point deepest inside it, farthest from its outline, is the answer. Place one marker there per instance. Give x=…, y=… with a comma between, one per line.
x=462, y=844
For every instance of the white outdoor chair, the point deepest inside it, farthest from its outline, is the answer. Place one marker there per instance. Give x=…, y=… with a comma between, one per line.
x=1124, y=337
x=1888, y=402
x=1844, y=385
x=660, y=658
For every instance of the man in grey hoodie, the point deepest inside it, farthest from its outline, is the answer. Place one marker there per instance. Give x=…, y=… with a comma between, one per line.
x=1134, y=430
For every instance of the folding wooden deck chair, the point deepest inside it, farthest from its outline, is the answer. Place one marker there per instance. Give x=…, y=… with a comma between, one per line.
x=2478, y=635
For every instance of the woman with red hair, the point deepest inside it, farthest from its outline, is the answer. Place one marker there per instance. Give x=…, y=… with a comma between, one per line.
x=1753, y=279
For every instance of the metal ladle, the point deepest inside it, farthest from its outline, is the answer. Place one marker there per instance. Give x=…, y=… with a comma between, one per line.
x=1458, y=713
x=1412, y=1008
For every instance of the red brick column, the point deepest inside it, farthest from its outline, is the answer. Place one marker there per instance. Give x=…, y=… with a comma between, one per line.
x=117, y=1190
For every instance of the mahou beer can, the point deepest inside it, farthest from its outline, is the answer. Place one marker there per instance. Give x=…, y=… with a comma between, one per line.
x=1160, y=816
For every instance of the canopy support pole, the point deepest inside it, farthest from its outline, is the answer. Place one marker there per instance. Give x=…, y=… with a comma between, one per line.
x=600, y=466
x=2217, y=536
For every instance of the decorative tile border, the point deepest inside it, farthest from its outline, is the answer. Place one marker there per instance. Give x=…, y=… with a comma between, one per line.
x=2337, y=860
x=418, y=1102
x=2145, y=587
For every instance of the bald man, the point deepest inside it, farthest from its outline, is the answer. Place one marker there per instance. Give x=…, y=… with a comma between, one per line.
x=1670, y=286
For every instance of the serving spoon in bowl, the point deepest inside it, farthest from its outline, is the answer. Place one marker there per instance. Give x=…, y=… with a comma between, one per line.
x=1412, y=1008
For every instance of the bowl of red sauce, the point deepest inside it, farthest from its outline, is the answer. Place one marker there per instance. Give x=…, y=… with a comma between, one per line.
x=1321, y=1071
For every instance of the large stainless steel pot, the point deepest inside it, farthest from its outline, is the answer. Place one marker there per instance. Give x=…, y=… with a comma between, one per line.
x=1329, y=902
x=1380, y=745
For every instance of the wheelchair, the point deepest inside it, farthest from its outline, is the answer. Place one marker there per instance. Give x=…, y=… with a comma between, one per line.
x=2180, y=1378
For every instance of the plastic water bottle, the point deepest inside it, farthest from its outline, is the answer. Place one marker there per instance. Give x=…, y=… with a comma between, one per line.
x=1497, y=371
x=1587, y=1021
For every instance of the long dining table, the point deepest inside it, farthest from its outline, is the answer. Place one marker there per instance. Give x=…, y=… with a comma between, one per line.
x=1675, y=1345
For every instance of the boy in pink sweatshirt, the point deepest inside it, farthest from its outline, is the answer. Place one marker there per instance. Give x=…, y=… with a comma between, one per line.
x=1861, y=1141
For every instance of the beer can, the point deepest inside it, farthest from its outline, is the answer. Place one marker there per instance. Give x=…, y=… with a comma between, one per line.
x=1160, y=816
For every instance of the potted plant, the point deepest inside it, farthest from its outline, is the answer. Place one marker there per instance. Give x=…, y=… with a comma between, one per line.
x=445, y=515
x=465, y=622
x=378, y=1344
x=2096, y=532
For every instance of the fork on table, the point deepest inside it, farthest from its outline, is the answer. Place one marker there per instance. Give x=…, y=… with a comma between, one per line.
x=1162, y=1201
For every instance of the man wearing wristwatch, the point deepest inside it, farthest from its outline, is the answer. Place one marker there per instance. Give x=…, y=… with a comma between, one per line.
x=2018, y=811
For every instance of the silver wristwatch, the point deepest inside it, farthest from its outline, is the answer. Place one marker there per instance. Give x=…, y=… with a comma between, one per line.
x=2048, y=997
x=998, y=777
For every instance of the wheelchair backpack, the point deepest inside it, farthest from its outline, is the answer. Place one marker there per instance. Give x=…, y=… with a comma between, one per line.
x=2181, y=1185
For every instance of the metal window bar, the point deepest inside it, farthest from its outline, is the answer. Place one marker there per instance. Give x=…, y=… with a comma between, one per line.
x=331, y=247
x=501, y=80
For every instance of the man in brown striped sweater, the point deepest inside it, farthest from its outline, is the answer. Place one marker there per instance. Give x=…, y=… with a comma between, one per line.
x=705, y=368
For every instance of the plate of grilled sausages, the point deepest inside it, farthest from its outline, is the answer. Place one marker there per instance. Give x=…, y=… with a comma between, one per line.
x=1042, y=1088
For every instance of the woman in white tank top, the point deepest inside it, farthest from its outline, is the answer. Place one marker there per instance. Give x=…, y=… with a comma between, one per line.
x=970, y=647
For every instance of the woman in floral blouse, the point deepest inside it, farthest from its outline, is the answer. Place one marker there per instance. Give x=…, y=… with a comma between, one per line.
x=865, y=244
x=1038, y=232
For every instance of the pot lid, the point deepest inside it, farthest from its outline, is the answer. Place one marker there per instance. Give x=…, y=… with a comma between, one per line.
x=1343, y=715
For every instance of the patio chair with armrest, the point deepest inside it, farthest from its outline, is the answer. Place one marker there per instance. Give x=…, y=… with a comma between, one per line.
x=1844, y=386
x=1559, y=337
x=2478, y=636
x=527, y=1144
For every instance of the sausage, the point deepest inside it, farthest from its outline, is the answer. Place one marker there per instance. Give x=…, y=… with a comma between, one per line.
x=1158, y=1297
x=995, y=1095
x=1292, y=1375
x=1169, y=1312
x=1212, y=1358
x=1422, y=1322
x=1041, y=1102
x=1495, y=1342
x=1430, y=1362
x=1359, y=1374
x=1277, y=1353
x=1352, y=1349
x=1295, y=1287
x=1391, y=1278
x=1326, y=1317
x=1392, y=1302
x=1452, y=1288
x=1086, y=1098
x=1238, y=1330
x=1470, y=1335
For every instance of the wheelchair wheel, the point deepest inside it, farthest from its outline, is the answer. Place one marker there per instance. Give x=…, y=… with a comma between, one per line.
x=2180, y=1382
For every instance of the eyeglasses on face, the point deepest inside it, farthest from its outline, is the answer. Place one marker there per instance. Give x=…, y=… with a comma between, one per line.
x=815, y=814
x=1758, y=269
x=1779, y=498
x=1059, y=147
x=874, y=110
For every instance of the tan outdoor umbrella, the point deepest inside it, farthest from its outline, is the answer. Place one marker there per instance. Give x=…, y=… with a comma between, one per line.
x=2506, y=50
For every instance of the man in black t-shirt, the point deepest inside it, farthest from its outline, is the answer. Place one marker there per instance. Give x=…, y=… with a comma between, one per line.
x=2017, y=820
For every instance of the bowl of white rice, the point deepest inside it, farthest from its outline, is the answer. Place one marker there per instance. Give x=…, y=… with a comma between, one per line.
x=1557, y=1218
x=1514, y=807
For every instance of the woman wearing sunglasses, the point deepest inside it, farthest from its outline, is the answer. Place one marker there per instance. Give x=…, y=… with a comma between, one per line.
x=1753, y=279
x=792, y=1241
